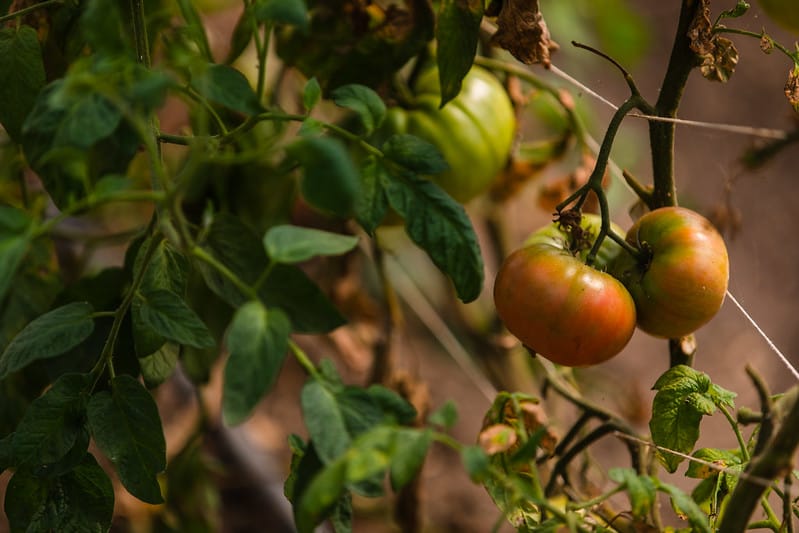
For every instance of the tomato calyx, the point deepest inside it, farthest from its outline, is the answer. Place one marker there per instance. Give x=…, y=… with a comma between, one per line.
x=579, y=238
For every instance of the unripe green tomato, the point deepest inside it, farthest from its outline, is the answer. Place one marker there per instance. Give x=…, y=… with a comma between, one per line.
x=783, y=12
x=680, y=282
x=474, y=131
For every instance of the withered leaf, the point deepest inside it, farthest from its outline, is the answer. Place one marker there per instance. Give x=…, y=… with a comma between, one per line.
x=522, y=31
x=717, y=55
x=792, y=88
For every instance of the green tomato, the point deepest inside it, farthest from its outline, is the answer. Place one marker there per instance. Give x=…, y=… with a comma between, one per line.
x=571, y=313
x=680, y=282
x=474, y=131
x=783, y=12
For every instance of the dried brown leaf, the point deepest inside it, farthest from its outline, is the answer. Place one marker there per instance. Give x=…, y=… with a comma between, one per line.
x=792, y=88
x=497, y=439
x=522, y=31
x=717, y=55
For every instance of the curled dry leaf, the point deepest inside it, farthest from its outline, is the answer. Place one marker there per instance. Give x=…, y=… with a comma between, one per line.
x=522, y=31
x=792, y=88
x=717, y=55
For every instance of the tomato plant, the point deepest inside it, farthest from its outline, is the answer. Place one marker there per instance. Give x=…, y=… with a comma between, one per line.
x=569, y=312
x=680, y=280
x=474, y=131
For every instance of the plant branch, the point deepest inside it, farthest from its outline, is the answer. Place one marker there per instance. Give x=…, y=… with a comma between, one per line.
x=30, y=9
x=775, y=461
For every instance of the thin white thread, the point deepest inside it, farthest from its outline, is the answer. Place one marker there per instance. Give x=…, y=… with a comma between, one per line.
x=727, y=470
x=766, y=337
x=767, y=133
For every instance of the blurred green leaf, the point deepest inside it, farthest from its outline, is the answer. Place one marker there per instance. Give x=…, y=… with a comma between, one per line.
x=365, y=102
x=324, y=420
x=258, y=342
x=311, y=94
x=330, y=180
x=49, y=335
x=224, y=85
x=415, y=154
x=319, y=497
x=295, y=244
x=476, y=462
x=159, y=365
x=641, y=490
x=371, y=204
x=409, y=455
x=291, y=12
x=14, y=242
x=79, y=500
x=21, y=76
x=445, y=416
x=687, y=507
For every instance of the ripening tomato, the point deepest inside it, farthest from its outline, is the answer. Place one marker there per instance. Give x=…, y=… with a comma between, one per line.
x=474, y=131
x=571, y=313
x=680, y=281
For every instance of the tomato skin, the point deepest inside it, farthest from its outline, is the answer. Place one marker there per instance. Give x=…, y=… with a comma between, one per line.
x=563, y=309
x=682, y=284
x=474, y=131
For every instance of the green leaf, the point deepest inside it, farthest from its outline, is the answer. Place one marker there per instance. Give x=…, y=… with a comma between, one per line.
x=311, y=94
x=476, y=462
x=292, y=12
x=330, y=180
x=457, y=33
x=440, y=226
x=14, y=242
x=319, y=497
x=50, y=335
x=370, y=454
x=392, y=404
x=168, y=315
x=739, y=10
x=240, y=250
x=364, y=101
x=79, y=500
x=686, y=506
x=258, y=342
x=295, y=244
x=53, y=423
x=166, y=269
x=224, y=85
x=126, y=426
x=414, y=154
x=683, y=398
x=6, y=453
x=641, y=490
x=721, y=458
x=359, y=409
x=325, y=421
x=371, y=204
x=159, y=365
x=445, y=416
x=21, y=76
x=409, y=455
x=341, y=516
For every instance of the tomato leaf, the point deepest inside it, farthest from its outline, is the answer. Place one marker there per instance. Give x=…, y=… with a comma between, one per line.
x=641, y=490
x=295, y=244
x=224, y=85
x=159, y=365
x=415, y=154
x=409, y=456
x=320, y=495
x=330, y=180
x=457, y=33
x=239, y=249
x=685, y=506
x=684, y=396
x=721, y=458
x=127, y=427
x=49, y=335
x=52, y=424
x=476, y=462
x=371, y=204
x=364, y=101
x=324, y=420
x=311, y=94
x=21, y=76
x=445, y=416
x=14, y=243
x=440, y=226
x=168, y=315
x=79, y=500
x=258, y=341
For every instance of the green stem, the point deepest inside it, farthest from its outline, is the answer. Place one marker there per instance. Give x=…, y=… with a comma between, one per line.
x=211, y=261
x=737, y=430
x=303, y=359
x=30, y=9
x=598, y=500
x=661, y=134
x=723, y=29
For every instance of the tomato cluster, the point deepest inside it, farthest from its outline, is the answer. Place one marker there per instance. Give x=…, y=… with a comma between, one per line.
x=578, y=315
